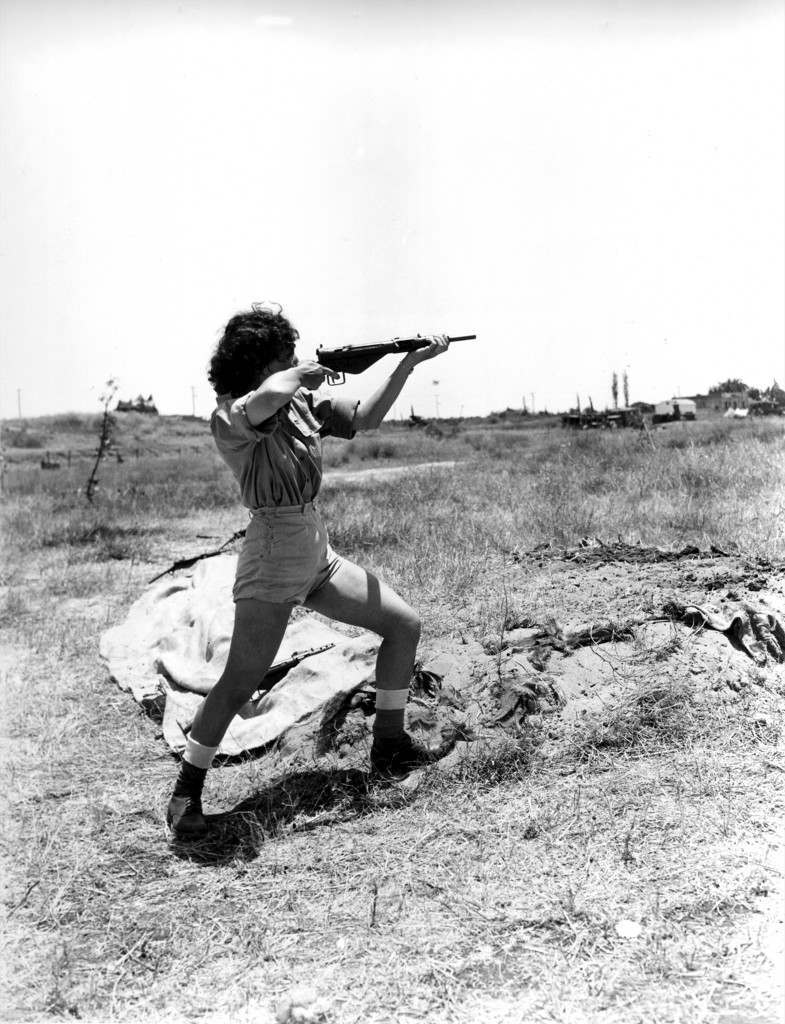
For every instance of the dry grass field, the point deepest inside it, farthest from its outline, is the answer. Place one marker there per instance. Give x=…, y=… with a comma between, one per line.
x=621, y=865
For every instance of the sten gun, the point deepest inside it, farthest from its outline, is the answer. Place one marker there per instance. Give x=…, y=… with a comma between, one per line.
x=356, y=358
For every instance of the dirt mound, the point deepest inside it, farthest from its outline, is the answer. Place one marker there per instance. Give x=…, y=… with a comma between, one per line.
x=595, y=628
x=612, y=626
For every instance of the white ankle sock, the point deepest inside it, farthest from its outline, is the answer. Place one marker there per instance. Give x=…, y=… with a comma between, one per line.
x=391, y=700
x=198, y=754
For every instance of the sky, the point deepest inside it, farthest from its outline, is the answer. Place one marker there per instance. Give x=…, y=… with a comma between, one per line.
x=590, y=187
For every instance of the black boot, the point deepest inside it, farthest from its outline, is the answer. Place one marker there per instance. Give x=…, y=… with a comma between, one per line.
x=395, y=758
x=184, y=813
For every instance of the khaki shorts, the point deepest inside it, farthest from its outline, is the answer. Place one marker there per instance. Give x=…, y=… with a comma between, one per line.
x=285, y=556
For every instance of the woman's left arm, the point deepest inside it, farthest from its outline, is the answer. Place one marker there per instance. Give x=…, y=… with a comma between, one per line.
x=372, y=410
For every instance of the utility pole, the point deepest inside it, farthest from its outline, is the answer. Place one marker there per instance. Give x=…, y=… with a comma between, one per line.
x=193, y=402
x=436, y=397
x=19, y=403
x=531, y=395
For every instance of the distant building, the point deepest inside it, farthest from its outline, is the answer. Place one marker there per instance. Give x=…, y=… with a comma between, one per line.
x=679, y=408
x=733, y=400
x=139, y=404
x=702, y=402
x=721, y=401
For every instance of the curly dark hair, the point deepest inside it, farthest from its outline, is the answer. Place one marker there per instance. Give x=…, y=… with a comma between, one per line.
x=250, y=342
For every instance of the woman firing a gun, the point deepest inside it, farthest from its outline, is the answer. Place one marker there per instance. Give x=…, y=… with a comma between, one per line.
x=268, y=425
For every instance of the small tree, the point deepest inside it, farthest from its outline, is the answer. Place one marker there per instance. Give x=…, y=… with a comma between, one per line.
x=105, y=437
x=626, y=385
x=615, y=389
x=732, y=384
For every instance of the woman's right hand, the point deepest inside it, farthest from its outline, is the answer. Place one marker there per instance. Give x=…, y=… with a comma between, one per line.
x=278, y=385
x=311, y=374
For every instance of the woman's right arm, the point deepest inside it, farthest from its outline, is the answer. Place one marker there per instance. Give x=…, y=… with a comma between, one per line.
x=277, y=389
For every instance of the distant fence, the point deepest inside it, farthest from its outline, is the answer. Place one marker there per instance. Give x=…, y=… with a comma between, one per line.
x=63, y=457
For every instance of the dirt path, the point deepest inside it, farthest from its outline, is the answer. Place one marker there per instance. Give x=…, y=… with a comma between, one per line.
x=356, y=476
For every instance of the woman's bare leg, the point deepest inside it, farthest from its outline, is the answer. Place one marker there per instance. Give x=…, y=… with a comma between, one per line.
x=258, y=630
x=359, y=598
x=259, y=627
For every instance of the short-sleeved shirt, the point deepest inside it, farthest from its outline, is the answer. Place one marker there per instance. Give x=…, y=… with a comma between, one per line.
x=279, y=461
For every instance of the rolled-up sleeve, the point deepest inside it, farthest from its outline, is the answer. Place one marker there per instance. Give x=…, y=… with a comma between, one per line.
x=336, y=416
x=237, y=416
x=231, y=430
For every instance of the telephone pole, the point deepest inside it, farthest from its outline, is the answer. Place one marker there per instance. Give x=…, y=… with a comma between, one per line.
x=19, y=403
x=193, y=402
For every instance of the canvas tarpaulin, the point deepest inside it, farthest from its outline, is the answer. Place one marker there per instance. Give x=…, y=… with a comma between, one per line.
x=173, y=644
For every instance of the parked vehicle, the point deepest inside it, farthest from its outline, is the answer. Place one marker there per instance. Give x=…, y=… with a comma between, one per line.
x=765, y=408
x=611, y=419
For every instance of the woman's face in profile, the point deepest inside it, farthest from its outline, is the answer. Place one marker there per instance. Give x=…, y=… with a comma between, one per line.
x=285, y=361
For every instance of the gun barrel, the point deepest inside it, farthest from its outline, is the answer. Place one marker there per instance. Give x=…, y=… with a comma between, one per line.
x=357, y=358
x=422, y=342
x=412, y=344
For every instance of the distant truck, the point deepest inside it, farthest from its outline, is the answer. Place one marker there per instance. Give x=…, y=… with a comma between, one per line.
x=674, y=409
x=766, y=408
x=611, y=419
x=627, y=417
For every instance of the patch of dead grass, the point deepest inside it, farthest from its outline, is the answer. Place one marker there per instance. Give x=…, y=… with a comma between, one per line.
x=491, y=891
x=655, y=712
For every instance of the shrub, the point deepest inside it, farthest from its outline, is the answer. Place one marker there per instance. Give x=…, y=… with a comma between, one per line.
x=22, y=438
x=68, y=423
